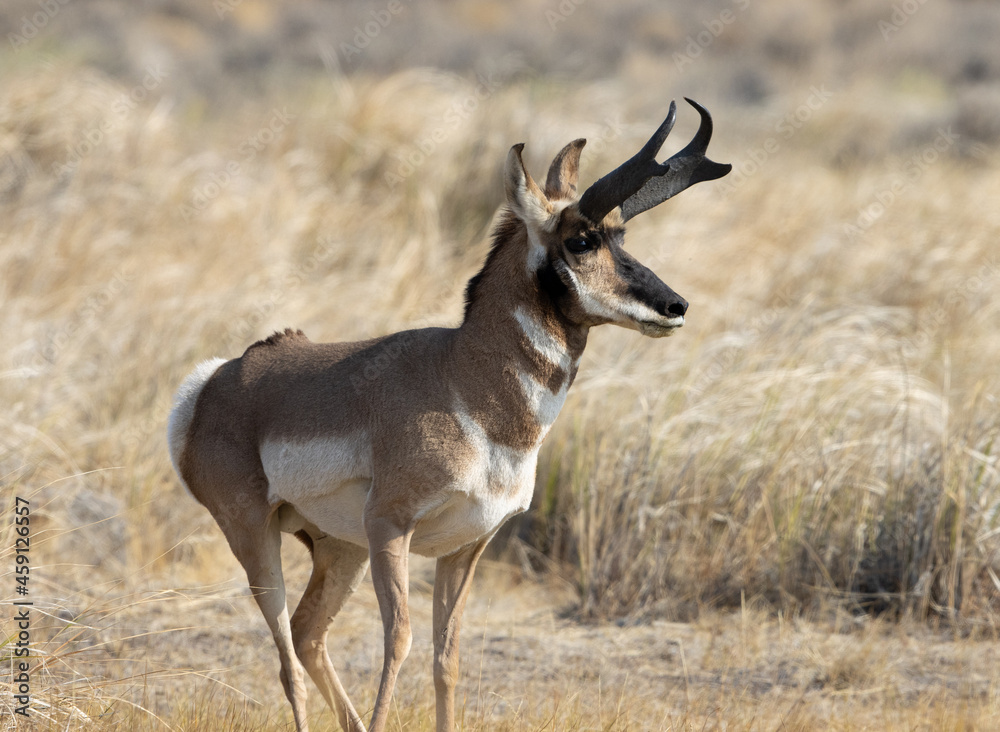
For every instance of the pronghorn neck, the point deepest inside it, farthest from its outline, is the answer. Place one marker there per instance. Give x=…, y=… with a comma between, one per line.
x=512, y=314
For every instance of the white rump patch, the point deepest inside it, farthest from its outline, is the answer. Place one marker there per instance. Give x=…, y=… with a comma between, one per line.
x=183, y=412
x=327, y=480
x=542, y=339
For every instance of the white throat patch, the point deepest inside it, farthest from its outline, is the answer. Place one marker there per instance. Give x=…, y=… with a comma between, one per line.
x=542, y=402
x=542, y=340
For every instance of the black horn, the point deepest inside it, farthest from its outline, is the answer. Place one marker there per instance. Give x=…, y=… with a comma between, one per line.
x=641, y=182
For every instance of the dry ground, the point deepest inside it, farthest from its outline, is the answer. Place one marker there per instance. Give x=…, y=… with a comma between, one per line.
x=200, y=658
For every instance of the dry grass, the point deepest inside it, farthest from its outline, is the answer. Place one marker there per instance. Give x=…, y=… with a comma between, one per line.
x=789, y=511
x=829, y=434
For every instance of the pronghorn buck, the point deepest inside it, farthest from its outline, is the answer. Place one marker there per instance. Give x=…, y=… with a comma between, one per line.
x=434, y=450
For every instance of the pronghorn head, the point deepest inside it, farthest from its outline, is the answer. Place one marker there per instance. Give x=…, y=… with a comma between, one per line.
x=576, y=243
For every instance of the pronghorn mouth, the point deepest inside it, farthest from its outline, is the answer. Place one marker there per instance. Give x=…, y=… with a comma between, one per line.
x=660, y=328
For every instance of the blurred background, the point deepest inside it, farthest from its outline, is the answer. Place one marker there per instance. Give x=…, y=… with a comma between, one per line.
x=179, y=179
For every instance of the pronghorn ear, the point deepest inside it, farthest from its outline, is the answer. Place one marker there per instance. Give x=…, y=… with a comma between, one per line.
x=564, y=171
x=524, y=196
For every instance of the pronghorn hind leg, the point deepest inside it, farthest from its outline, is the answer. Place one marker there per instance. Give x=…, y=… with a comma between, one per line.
x=338, y=568
x=257, y=545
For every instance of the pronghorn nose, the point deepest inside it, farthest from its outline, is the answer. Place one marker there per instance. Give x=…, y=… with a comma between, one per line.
x=675, y=306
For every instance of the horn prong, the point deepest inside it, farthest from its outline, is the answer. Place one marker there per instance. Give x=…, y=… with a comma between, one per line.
x=641, y=183
x=625, y=180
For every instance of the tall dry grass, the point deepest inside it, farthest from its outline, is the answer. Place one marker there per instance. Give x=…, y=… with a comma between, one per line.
x=820, y=436
x=827, y=434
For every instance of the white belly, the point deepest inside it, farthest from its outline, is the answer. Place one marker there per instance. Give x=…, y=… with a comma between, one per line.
x=328, y=482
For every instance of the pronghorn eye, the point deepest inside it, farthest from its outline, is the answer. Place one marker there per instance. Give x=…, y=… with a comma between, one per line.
x=579, y=244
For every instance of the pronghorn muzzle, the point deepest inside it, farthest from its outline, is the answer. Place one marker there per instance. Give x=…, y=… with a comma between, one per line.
x=661, y=310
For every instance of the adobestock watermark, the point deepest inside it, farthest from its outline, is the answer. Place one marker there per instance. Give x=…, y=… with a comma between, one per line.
x=223, y=8
x=237, y=339
x=917, y=344
x=461, y=108
x=16, y=167
x=561, y=12
x=380, y=357
x=697, y=43
x=32, y=25
x=900, y=16
x=376, y=360
x=150, y=424
x=611, y=129
x=294, y=277
x=120, y=110
x=79, y=324
x=785, y=129
x=368, y=31
x=220, y=179
x=729, y=356
x=910, y=172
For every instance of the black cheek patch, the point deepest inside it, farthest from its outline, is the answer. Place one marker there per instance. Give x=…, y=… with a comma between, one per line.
x=550, y=282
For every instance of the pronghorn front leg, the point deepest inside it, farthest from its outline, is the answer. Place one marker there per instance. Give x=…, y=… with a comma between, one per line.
x=389, y=546
x=452, y=581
